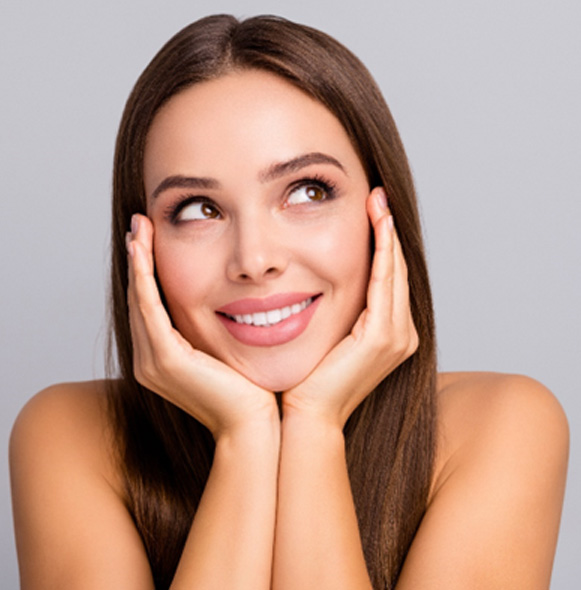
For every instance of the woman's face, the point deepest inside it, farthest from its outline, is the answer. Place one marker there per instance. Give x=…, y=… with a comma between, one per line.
x=261, y=237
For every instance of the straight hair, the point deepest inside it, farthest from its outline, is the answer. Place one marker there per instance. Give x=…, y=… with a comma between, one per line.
x=165, y=454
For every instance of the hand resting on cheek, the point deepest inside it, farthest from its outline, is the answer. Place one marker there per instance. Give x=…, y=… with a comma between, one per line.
x=222, y=399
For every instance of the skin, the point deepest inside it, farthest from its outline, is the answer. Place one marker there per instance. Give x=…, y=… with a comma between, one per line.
x=496, y=495
x=268, y=237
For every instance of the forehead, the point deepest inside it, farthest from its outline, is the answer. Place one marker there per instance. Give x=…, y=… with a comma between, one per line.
x=241, y=122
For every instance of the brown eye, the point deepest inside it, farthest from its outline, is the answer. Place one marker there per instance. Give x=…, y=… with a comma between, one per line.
x=315, y=193
x=208, y=211
x=308, y=193
x=198, y=211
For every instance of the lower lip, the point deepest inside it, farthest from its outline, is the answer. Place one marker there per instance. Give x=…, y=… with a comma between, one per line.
x=280, y=333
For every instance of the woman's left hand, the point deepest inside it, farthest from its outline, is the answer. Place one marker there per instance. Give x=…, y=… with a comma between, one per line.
x=383, y=337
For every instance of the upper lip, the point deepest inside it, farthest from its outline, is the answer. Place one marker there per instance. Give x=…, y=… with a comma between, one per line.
x=256, y=305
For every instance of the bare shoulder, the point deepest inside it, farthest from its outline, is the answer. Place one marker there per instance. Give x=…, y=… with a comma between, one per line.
x=66, y=419
x=83, y=400
x=479, y=410
x=67, y=495
x=493, y=516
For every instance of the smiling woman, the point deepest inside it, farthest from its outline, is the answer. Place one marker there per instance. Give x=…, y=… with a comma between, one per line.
x=276, y=420
x=274, y=201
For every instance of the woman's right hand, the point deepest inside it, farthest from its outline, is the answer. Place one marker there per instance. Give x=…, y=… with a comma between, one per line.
x=165, y=362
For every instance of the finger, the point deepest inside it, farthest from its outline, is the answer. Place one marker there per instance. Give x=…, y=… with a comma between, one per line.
x=388, y=294
x=142, y=352
x=380, y=291
x=400, y=276
x=150, y=323
x=389, y=265
x=402, y=315
x=138, y=334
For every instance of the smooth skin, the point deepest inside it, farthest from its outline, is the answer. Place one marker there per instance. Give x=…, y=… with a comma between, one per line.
x=252, y=140
x=277, y=511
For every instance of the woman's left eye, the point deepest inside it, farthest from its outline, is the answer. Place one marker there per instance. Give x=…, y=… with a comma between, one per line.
x=308, y=193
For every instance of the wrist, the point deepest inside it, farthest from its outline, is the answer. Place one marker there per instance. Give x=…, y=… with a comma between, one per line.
x=239, y=417
x=311, y=424
x=308, y=411
x=261, y=431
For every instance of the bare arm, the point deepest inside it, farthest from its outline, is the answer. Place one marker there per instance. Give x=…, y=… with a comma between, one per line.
x=231, y=540
x=494, y=512
x=317, y=538
x=67, y=500
x=493, y=518
x=491, y=523
x=230, y=544
x=73, y=529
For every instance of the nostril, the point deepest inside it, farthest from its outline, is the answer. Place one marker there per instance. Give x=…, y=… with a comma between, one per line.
x=250, y=263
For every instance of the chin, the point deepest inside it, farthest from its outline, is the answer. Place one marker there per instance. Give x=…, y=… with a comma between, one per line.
x=277, y=368
x=276, y=383
x=273, y=375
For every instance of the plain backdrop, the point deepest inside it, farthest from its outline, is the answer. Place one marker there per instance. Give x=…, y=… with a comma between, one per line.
x=487, y=97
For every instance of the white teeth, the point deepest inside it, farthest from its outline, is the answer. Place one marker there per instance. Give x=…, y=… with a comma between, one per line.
x=273, y=316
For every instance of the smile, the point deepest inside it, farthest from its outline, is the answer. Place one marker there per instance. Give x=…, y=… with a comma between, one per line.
x=271, y=317
x=270, y=321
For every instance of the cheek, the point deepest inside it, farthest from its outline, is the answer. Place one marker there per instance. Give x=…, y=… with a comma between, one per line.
x=183, y=275
x=354, y=263
x=342, y=253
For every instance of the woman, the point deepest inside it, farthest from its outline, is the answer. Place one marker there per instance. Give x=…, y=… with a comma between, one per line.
x=278, y=420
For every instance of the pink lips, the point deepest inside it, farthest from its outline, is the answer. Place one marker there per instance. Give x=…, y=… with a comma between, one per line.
x=282, y=331
x=277, y=301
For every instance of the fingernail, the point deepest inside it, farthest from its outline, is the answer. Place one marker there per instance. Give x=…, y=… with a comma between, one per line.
x=382, y=198
x=390, y=223
x=134, y=224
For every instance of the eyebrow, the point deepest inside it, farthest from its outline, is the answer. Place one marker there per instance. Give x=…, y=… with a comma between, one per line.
x=271, y=173
x=179, y=181
x=282, y=168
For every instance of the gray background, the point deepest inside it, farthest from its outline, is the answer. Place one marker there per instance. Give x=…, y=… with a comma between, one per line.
x=486, y=95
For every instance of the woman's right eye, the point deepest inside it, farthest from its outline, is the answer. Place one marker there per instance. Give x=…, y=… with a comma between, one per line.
x=194, y=209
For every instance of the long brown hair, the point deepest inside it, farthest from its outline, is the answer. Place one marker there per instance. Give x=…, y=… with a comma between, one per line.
x=166, y=454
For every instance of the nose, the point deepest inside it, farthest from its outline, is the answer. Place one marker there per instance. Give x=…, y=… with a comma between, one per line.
x=257, y=252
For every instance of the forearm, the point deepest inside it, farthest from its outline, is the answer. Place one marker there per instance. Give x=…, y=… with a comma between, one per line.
x=231, y=540
x=317, y=541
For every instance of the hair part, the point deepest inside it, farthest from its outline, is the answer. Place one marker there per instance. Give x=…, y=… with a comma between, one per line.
x=166, y=454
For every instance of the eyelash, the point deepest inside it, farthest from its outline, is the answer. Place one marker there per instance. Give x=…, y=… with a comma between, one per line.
x=173, y=211
x=326, y=185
